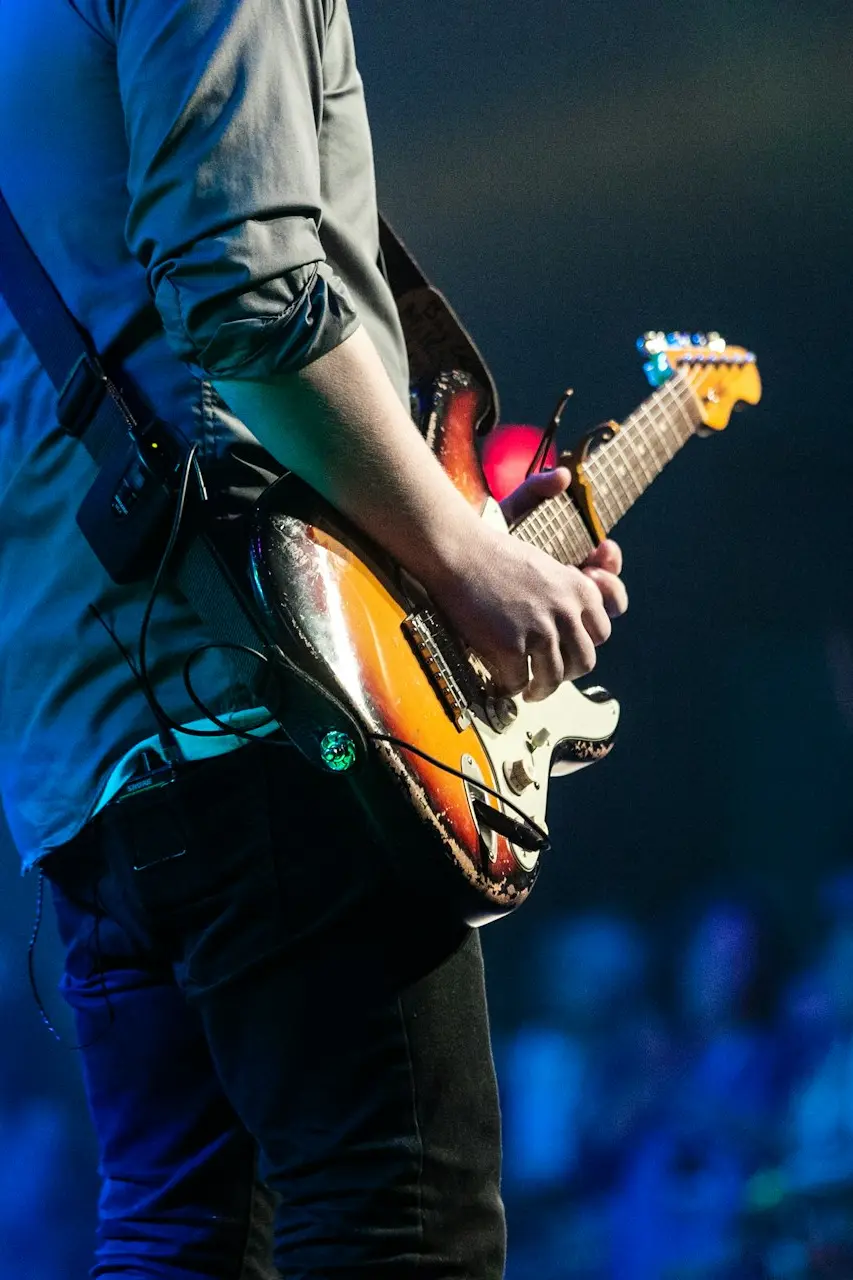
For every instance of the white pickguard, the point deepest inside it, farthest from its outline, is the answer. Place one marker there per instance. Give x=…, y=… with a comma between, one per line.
x=584, y=716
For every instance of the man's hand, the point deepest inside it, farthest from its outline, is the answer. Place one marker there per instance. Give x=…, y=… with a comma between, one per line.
x=604, y=564
x=534, y=621
x=339, y=424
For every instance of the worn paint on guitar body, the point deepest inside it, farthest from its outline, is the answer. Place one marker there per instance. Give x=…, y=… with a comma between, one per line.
x=338, y=605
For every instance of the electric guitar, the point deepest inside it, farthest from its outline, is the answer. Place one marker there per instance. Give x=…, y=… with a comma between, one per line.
x=453, y=774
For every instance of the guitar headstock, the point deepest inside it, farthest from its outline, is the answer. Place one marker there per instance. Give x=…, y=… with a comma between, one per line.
x=721, y=376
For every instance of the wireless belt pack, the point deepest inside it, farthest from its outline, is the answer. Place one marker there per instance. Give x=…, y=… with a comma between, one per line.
x=127, y=513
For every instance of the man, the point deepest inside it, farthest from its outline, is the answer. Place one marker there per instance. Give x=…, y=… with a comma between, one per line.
x=259, y=1019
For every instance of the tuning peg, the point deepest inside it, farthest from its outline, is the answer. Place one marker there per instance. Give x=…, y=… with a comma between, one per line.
x=658, y=370
x=651, y=343
x=716, y=343
x=700, y=339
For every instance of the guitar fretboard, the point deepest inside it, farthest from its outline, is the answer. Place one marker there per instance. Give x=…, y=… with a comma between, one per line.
x=618, y=472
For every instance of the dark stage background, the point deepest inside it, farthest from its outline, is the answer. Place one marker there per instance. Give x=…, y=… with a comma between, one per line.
x=573, y=174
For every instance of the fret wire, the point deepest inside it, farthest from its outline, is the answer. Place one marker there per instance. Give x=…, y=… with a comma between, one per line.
x=661, y=435
x=524, y=528
x=603, y=458
x=646, y=451
x=567, y=522
x=662, y=452
x=536, y=524
x=615, y=454
x=575, y=531
x=683, y=399
x=660, y=432
x=620, y=445
x=643, y=421
x=670, y=431
x=663, y=426
x=687, y=394
x=605, y=510
x=581, y=542
x=611, y=505
x=556, y=531
x=561, y=525
x=665, y=400
x=640, y=452
x=603, y=503
x=614, y=507
x=680, y=392
x=546, y=531
x=550, y=530
x=659, y=426
x=557, y=526
x=653, y=445
x=616, y=481
x=561, y=528
x=584, y=543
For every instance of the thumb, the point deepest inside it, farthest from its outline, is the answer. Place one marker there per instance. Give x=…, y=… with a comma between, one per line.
x=542, y=485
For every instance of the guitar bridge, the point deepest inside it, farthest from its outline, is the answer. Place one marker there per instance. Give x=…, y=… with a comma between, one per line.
x=446, y=668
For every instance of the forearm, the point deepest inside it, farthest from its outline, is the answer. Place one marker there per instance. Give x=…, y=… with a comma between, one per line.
x=339, y=424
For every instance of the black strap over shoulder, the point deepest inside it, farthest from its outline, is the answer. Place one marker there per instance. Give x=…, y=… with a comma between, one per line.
x=91, y=409
x=436, y=339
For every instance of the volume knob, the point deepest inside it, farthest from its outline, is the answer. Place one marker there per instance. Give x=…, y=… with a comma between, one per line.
x=501, y=713
x=519, y=775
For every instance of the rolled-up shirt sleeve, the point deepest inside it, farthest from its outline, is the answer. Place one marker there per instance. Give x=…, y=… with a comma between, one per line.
x=223, y=102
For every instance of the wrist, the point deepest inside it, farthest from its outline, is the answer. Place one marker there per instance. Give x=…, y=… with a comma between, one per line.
x=457, y=546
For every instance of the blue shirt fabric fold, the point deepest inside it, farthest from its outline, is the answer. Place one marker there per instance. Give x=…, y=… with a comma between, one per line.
x=197, y=178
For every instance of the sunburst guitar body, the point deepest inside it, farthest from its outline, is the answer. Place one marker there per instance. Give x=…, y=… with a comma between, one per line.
x=454, y=775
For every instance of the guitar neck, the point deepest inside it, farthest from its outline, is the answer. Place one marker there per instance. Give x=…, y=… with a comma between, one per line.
x=618, y=472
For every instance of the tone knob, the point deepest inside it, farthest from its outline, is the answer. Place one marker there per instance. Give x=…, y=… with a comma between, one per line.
x=519, y=775
x=500, y=713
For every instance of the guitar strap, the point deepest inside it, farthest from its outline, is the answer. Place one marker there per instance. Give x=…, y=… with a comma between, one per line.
x=91, y=409
x=436, y=339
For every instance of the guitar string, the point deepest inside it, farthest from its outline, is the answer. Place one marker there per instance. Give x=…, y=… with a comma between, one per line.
x=599, y=462
x=554, y=518
x=650, y=428
x=642, y=420
x=631, y=458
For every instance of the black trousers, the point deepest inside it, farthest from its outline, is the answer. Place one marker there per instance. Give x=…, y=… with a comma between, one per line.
x=280, y=1038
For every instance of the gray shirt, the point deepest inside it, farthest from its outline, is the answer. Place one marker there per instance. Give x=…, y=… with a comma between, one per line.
x=197, y=178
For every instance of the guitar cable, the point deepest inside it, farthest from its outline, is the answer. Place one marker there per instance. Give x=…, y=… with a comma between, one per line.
x=167, y=726
x=543, y=841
